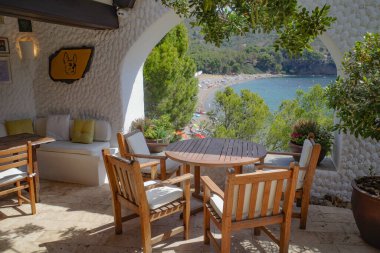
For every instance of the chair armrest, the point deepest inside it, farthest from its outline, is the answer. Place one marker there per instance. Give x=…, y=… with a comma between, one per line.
x=149, y=164
x=212, y=186
x=178, y=179
x=283, y=153
x=156, y=157
x=170, y=181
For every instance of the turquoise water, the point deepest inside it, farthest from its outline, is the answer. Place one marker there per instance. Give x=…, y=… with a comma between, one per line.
x=276, y=89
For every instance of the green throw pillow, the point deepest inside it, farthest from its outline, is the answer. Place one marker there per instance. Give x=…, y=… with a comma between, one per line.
x=19, y=126
x=83, y=131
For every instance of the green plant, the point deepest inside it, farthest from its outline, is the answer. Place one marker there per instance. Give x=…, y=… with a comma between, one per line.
x=303, y=128
x=356, y=95
x=219, y=20
x=160, y=128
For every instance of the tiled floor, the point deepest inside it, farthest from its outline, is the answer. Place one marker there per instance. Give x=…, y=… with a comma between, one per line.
x=74, y=218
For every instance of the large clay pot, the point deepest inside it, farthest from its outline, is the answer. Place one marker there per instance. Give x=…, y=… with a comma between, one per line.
x=298, y=149
x=366, y=210
x=156, y=146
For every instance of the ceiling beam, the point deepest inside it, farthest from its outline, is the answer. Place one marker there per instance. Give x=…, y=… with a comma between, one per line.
x=80, y=13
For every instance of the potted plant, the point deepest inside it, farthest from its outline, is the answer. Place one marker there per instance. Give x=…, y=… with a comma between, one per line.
x=365, y=202
x=157, y=132
x=302, y=129
x=355, y=97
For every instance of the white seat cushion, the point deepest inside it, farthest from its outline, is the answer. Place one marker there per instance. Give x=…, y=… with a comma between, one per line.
x=12, y=175
x=93, y=149
x=307, y=149
x=58, y=127
x=217, y=202
x=161, y=196
x=171, y=166
x=137, y=145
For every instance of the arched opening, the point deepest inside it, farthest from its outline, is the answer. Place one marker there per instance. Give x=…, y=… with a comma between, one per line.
x=131, y=72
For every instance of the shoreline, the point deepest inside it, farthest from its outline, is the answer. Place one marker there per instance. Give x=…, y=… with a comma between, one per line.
x=209, y=84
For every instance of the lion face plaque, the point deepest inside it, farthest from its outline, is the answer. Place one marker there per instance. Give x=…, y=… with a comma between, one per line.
x=70, y=64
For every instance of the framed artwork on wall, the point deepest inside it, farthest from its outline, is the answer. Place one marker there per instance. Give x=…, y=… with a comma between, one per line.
x=4, y=45
x=5, y=70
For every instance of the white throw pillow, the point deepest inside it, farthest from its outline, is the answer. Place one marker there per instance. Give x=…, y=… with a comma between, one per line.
x=58, y=127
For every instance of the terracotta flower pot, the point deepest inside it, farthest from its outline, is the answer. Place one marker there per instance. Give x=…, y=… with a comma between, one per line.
x=365, y=208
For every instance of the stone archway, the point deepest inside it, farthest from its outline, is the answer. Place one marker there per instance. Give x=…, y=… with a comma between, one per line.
x=354, y=19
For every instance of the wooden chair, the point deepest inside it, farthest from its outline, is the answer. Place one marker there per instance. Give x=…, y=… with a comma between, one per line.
x=132, y=146
x=250, y=200
x=12, y=172
x=151, y=200
x=308, y=164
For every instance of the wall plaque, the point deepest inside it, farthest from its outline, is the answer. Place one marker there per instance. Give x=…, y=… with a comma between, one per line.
x=70, y=64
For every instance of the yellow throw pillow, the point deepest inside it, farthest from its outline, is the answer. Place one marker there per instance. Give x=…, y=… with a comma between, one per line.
x=83, y=131
x=19, y=126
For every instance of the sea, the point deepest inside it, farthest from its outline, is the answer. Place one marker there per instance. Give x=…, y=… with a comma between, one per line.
x=276, y=89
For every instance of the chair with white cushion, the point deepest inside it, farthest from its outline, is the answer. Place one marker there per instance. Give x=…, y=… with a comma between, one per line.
x=16, y=166
x=150, y=200
x=251, y=200
x=132, y=146
x=308, y=164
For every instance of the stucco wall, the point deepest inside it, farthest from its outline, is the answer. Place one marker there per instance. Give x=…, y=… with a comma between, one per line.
x=17, y=98
x=353, y=156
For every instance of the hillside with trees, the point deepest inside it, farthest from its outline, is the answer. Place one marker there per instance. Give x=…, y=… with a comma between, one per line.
x=254, y=53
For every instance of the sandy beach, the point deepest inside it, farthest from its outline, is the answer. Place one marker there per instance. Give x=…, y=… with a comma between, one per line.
x=209, y=84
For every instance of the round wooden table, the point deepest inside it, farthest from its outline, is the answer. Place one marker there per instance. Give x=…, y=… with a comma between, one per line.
x=213, y=152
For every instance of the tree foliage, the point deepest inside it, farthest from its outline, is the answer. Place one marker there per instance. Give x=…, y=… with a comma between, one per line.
x=219, y=20
x=356, y=96
x=238, y=116
x=311, y=105
x=169, y=83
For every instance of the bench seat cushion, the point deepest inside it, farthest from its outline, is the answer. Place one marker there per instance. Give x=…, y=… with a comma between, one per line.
x=93, y=149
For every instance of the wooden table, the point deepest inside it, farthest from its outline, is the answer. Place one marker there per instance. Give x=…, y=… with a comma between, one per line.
x=21, y=139
x=212, y=152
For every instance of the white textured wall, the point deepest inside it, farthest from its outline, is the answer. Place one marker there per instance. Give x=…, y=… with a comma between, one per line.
x=17, y=98
x=353, y=156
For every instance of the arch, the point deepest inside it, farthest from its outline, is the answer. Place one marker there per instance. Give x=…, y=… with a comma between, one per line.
x=131, y=72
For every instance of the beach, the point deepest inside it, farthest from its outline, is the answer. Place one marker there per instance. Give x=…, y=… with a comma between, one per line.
x=209, y=84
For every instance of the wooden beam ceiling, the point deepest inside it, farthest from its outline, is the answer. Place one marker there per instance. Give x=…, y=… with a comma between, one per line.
x=80, y=13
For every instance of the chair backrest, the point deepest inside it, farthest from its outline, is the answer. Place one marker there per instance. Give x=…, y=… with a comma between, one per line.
x=125, y=178
x=17, y=157
x=308, y=162
x=258, y=194
x=133, y=143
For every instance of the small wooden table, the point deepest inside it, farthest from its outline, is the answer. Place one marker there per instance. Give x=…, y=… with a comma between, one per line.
x=21, y=139
x=212, y=152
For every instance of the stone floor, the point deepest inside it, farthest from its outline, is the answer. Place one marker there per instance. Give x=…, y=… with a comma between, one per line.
x=74, y=218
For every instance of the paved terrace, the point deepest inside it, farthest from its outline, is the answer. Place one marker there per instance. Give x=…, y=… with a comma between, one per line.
x=74, y=218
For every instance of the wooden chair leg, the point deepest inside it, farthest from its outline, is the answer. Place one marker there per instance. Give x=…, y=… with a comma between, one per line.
x=19, y=193
x=117, y=216
x=186, y=210
x=146, y=235
x=304, y=211
x=32, y=196
x=206, y=225
x=226, y=238
x=285, y=236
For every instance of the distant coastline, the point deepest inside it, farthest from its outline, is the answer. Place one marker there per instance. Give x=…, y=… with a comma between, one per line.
x=210, y=84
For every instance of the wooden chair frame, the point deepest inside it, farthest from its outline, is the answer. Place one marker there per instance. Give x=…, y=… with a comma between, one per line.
x=125, y=153
x=279, y=216
x=128, y=189
x=13, y=158
x=302, y=195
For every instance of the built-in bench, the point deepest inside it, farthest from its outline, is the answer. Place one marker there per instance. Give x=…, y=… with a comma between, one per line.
x=74, y=162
